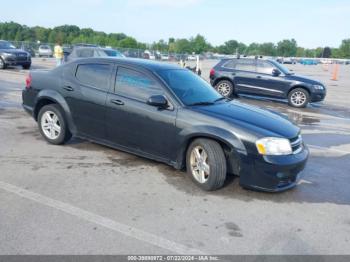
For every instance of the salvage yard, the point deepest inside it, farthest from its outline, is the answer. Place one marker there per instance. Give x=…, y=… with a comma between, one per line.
x=83, y=198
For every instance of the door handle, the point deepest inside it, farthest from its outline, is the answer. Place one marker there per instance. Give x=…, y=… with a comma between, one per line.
x=117, y=102
x=259, y=77
x=68, y=88
x=233, y=74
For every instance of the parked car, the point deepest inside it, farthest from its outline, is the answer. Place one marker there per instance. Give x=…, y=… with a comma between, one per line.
x=164, y=57
x=308, y=62
x=166, y=113
x=268, y=78
x=85, y=52
x=11, y=56
x=45, y=51
x=28, y=49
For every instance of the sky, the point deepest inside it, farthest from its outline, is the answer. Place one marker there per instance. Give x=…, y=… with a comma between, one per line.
x=311, y=23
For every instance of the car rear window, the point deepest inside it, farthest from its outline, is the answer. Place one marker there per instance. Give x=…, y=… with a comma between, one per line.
x=95, y=75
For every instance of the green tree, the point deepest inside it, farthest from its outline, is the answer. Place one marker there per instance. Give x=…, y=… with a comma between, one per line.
x=287, y=48
x=327, y=52
x=344, y=48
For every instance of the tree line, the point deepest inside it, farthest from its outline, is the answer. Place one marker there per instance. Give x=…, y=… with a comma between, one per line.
x=71, y=34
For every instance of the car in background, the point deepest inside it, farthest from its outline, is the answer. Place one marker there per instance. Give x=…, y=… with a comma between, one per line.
x=164, y=57
x=45, y=51
x=308, y=62
x=28, y=49
x=191, y=58
x=86, y=52
x=166, y=113
x=267, y=78
x=11, y=56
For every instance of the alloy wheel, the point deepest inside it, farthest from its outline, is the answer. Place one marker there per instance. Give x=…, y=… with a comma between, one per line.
x=199, y=164
x=50, y=124
x=298, y=98
x=224, y=89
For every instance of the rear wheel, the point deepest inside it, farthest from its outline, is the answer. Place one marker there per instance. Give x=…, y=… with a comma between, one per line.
x=52, y=124
x=298, y=97
x=225, y=88
x=206, y=164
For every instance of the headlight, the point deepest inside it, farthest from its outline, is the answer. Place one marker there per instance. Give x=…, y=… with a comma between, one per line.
x=273, y=146
x=7, y=54
x=319, y=87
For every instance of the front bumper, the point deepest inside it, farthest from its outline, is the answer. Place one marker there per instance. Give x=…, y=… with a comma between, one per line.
x=14, y=61
x=318, y=96
x=272, y=173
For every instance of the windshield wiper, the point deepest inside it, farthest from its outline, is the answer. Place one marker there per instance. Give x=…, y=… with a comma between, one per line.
x=219, y=99
x=202, y=103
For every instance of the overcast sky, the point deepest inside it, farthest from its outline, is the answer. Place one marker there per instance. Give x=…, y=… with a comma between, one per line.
x=311, y=22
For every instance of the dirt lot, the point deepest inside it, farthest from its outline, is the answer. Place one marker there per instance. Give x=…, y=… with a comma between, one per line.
x=84, y=198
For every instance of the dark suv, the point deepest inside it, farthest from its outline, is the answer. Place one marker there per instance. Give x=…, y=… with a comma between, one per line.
x=266, y=78
x=10, y=55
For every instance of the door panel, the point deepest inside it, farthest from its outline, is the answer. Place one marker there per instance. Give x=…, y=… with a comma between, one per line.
x=132, y=123
x=86, y=93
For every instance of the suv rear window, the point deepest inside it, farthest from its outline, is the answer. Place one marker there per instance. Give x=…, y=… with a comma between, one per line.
x=245, y=65
x=95, y=75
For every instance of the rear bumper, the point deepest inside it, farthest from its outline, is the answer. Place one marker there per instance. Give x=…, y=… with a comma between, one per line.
x=272, y=173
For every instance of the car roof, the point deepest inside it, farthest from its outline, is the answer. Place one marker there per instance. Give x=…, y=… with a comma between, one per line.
x=144, y=63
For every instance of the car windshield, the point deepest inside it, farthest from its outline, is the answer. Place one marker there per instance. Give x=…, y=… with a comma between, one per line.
x=6, y=45
x=282, y=68
x=189, y=88
x=113, y=53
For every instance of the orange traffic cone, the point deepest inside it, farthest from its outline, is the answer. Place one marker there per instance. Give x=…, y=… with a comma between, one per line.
x=335, y=72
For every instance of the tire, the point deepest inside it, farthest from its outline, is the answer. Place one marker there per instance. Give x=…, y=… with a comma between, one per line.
x=57, y=132
x=26, y=67
x=298, y=97
x=225, y=88
x=212, y=158
x=2, y=64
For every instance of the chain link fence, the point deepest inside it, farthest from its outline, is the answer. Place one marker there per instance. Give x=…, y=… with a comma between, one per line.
x=33, y=49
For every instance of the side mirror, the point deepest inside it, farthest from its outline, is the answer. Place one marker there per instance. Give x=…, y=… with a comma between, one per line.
x=158, y=101
x=276, y=72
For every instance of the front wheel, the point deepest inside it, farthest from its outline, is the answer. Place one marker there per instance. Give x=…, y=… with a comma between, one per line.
x=298, y=97
x=206, y=164
x=52, y=124
x=225, y=88
x=26, y=67
x=2, y=64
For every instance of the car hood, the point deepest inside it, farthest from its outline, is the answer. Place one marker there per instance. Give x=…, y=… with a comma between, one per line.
x=259, y=121
x=304, y=79
x=13, y=51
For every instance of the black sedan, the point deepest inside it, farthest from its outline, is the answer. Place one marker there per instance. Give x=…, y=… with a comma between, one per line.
x=168, y=114
x=11, y=56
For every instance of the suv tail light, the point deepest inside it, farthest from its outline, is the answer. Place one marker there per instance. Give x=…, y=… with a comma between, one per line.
x=28, y=81
x=212, y=72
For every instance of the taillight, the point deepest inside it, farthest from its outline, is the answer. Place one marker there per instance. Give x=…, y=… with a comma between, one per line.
x=28, y=81
x=212, y=72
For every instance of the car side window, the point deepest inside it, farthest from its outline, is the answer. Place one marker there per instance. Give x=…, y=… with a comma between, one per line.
x=86, y=53
x=94, y=75
x=230, y=64
x=246, y=65
x=135, y=84
x=264, y=67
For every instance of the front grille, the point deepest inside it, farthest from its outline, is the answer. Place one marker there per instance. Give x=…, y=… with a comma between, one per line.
x=297, y=144
x=21, y=57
